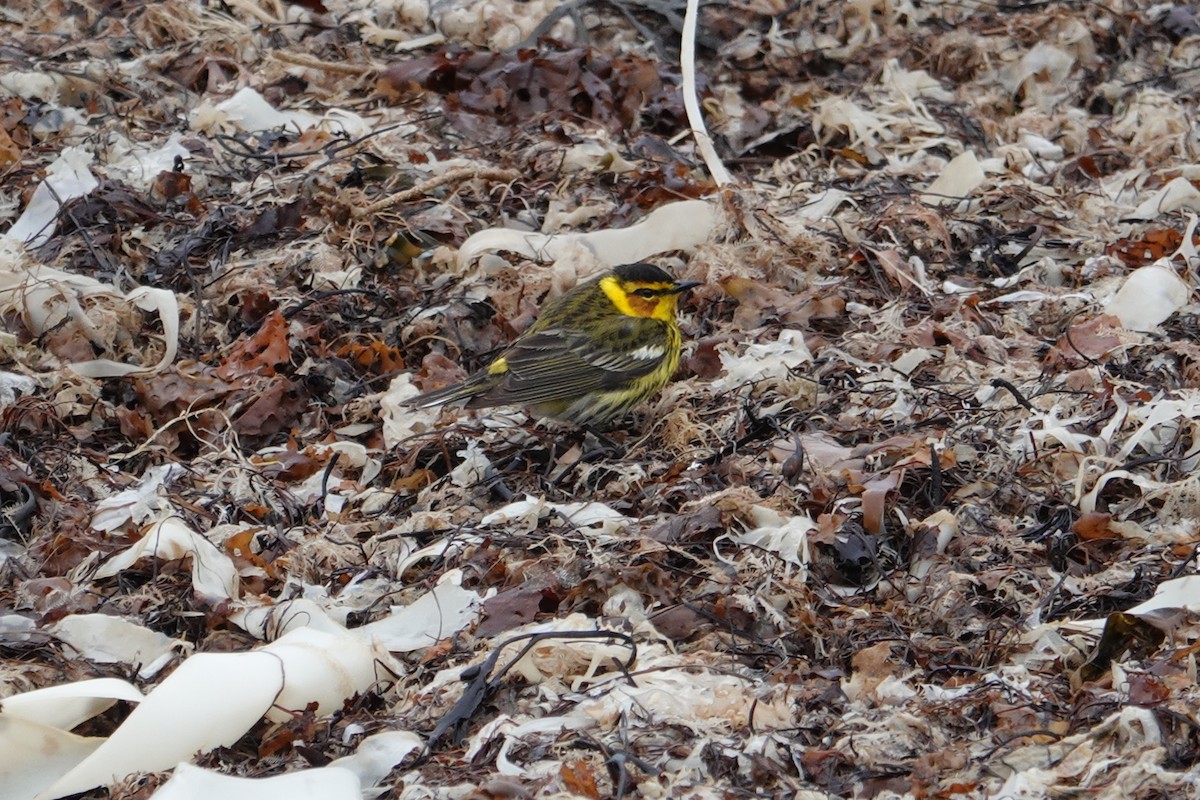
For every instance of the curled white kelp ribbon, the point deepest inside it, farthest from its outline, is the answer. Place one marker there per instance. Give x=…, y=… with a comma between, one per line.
x=47, y=298
x=960, y=176
x=326, y=783
x=249, y=111
x=1150, y=295
x=348, y=778
x=210, y=701
x=674, y=226
x=67, y=178
x=35, y=732
x=214, y=576
x=70, y=177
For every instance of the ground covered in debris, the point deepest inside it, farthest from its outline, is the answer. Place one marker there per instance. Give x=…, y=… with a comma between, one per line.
x=934, y=431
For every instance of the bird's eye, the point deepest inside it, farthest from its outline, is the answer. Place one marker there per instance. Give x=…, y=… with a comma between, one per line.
x=647, y=293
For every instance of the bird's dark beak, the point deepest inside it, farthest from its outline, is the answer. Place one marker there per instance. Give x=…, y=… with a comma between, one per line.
x=682, y=286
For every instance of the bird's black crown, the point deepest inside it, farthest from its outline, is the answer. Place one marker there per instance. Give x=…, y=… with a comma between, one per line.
x=642, y=273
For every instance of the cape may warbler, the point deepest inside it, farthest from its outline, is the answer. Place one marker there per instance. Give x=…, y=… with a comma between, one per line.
x=592, y=354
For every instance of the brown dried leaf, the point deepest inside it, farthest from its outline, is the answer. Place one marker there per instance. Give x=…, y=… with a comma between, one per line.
x=437, y=371
x=678, y=623
x=874, y=499
x=1153, y=245
x=688, y=528
x=261, y=353
x=1095, y=525
x=513, y=87
x=10, y=153
x=374, y=356
x=291, y=466
x=240, y=549
x=509, y=609
x=577, y=777
x=275, y=408
x=704, y=362
x=1085, y=342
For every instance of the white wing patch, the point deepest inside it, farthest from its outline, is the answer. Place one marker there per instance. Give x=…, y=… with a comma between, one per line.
x=648, y=352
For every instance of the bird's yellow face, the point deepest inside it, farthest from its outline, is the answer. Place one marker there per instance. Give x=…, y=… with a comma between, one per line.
x=653, y=299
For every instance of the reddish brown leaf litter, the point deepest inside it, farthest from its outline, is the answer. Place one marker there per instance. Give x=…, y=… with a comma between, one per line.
x=883, y=535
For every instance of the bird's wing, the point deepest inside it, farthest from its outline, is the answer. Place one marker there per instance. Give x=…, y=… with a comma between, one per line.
x=563, y=363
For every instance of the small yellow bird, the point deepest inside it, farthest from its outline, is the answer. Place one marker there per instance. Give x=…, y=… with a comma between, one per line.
x=591, y=356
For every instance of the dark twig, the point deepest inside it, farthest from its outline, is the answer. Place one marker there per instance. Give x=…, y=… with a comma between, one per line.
x=1000, y=383
x=480, y=687
x=937, y=492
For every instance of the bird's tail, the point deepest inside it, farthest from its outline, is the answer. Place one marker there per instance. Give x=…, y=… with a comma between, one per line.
x=465, y=390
